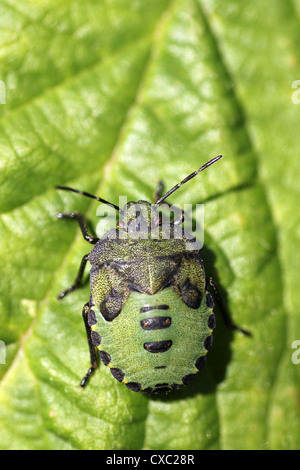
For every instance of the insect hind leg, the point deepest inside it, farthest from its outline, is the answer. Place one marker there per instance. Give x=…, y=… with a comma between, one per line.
x=224, y=312
x=93, y=356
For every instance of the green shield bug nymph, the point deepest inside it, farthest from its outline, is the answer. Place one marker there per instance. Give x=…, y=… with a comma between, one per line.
x=150, y=314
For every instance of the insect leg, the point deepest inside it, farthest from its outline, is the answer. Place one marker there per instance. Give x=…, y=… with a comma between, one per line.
x=82, y=225
x=78, y=280
x=158, y=192
x=93, y=356
x=225, y=314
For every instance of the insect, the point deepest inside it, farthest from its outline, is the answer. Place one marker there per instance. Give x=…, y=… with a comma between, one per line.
x=150, y=313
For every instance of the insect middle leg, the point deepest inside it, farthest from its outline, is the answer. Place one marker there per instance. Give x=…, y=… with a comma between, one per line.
x=224, y=312
x=78, y=280
x=93, y=356
x=89, y=238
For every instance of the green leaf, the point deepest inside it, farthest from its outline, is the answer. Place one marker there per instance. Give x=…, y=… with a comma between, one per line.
x=110, y=97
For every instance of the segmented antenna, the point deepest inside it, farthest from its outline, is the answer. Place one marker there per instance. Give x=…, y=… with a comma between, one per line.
x=83, y=193
x=188, y=178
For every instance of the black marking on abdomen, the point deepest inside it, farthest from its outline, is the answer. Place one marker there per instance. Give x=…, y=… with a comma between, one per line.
x=147, y=308
x=158, y=346
x=105, y=357
x=162, y=390
x=209, y=300
x=147, y=390
x=187, y=379
x=200, y=363
x=96, y=338
x=176, y=386
x=208, y=342
x=156, y=323
x=134, y=386
x=211, y=322
x=160, y=367
x=117, y=374
x=92, y=319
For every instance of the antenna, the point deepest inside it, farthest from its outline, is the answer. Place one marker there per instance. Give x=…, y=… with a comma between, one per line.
x=83, y=193
x=192, y=175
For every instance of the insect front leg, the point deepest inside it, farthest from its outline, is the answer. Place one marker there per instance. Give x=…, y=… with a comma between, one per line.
x=78, y=280
x=82, y=224
x=224, y=312
x=94, y=362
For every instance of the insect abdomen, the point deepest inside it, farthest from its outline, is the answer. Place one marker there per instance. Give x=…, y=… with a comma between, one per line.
x=157, y=342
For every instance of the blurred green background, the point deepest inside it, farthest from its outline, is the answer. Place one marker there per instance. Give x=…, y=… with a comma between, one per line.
x=110, y=96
